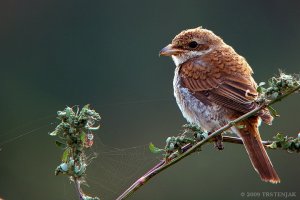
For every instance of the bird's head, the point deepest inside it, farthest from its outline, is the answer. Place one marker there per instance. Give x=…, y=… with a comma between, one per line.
x=191, y=43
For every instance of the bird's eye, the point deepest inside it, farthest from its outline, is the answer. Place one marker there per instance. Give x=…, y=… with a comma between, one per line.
x=193, y=44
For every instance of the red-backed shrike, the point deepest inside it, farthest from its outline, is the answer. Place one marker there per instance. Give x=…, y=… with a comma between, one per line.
x=213, y=85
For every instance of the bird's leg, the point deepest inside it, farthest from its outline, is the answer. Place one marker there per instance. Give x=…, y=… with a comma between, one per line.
x=218, y=141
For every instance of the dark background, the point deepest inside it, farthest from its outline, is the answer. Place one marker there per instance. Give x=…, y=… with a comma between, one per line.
x=68, y=52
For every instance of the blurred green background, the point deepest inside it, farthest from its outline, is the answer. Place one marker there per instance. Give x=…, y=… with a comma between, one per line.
x=55, y=53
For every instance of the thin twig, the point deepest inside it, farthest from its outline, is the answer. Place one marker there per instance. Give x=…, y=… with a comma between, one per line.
x=189, y=148
x=237, y=140
x=78, y=188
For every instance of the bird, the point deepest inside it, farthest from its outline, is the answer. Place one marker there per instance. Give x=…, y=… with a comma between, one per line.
x=213, y=85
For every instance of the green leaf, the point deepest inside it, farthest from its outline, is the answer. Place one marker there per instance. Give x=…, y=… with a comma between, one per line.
x=87, y=106
x=275, y=95
x=273, y=112
x=85, y=197
x=273, y=145
x=83, y=137
x=154, y=149
x=279, y=137
x=261, y=84
x=286, y=145
x=53, y=133
x=240, y=126
x=60, y=144
x=65, y=155
x=260, y=89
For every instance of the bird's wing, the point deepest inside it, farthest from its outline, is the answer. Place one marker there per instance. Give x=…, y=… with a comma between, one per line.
x=226, y=81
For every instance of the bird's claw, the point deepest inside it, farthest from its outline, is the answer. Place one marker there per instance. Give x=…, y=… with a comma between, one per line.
x=219, y=142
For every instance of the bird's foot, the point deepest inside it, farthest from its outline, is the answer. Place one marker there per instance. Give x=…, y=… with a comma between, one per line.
x=219, y=142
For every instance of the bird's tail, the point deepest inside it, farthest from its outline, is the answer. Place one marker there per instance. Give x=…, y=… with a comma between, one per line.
x=259, y=158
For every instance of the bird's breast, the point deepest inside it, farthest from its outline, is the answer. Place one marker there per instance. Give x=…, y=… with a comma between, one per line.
x=208, y=116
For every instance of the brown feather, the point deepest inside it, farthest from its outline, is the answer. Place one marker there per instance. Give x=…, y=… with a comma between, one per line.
x=256, y=151
x=232, y=87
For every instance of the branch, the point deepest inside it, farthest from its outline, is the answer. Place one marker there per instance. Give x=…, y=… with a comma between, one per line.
x=280, y=88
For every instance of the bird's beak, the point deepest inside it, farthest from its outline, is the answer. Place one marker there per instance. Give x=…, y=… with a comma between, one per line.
x=170, y=50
